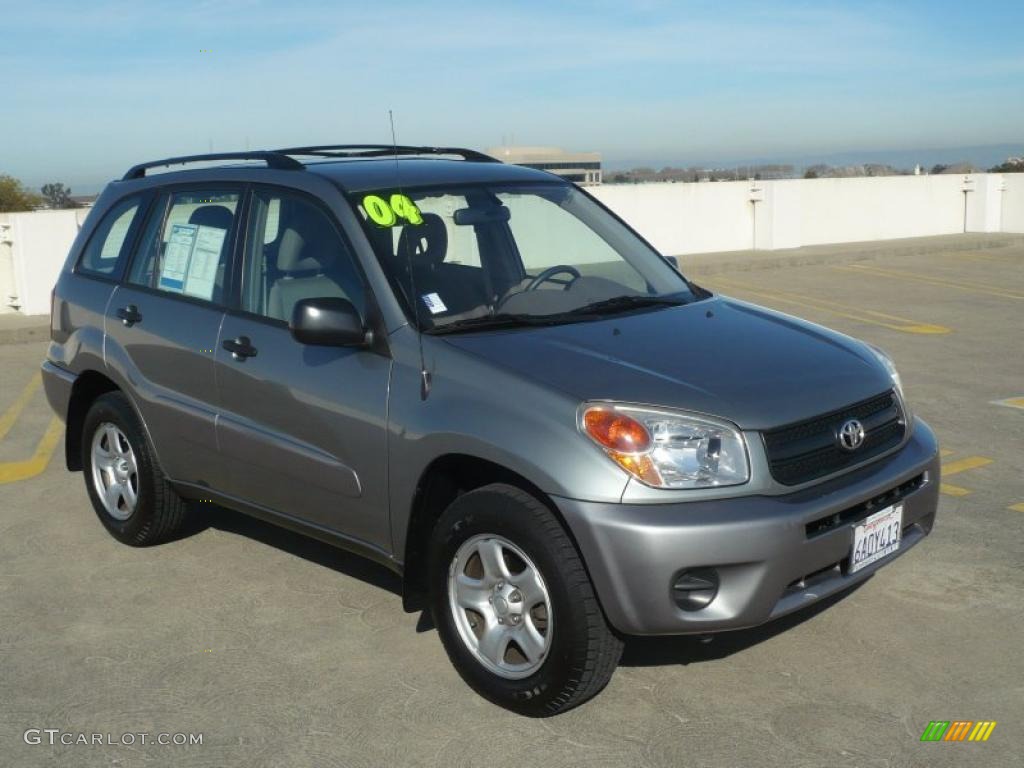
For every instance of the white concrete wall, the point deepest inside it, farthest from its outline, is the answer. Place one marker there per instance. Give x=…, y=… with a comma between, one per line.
x=38, y=245
x=850, y=210
x=677, y=218
x=1012, y=207
x=719, y=216
x=686, y=218
x=985, y=202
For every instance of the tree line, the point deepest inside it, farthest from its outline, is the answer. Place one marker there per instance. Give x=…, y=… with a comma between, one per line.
x=15, y=196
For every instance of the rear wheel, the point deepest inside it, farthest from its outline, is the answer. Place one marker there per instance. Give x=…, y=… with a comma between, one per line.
x=129, y=492
x=514, y=606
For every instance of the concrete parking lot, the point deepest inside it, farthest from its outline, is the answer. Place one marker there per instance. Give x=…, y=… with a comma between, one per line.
x=284, y=652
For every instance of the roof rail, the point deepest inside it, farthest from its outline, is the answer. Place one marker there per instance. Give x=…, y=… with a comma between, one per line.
x=277, y=160
x=385, y=150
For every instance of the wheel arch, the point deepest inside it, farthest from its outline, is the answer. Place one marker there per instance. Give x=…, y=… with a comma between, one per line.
x=89, y=385
x=445, y=479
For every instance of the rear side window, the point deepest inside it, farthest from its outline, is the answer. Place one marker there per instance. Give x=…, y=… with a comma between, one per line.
x=109, y=244
x=186, y=246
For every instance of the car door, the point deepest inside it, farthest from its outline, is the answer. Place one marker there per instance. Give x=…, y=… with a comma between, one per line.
x=302, y=428
x=163, y=320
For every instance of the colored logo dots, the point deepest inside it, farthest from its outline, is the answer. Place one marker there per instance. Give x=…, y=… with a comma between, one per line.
x=958, y=730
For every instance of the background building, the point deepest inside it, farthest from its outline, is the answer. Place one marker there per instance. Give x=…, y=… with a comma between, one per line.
x=580, y=167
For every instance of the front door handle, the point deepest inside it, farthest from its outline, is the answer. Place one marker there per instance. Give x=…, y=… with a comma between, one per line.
x=240, y=348
x=129, y=315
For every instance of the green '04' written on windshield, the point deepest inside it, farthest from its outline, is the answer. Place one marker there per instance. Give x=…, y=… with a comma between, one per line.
x=386, y=213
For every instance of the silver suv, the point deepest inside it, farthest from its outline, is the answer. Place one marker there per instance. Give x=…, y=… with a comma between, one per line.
x=479, y=376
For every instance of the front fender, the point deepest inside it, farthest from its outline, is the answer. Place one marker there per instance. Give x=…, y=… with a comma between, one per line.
x=477, y=410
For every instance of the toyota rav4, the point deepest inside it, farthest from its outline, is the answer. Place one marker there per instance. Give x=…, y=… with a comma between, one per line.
x=479, y=376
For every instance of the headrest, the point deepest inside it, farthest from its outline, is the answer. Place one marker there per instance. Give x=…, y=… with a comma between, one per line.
x=217, y=216
x=426, y=243
x=308, y=242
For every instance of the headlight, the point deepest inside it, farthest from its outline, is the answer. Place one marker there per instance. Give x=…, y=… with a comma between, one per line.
x=666, y=449
x=885, y=360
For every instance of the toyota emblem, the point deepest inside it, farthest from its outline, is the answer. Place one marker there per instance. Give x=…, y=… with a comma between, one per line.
x=851, y=435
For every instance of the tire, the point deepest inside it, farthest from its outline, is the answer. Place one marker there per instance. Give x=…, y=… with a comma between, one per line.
x=146, y=509
x=576, y=653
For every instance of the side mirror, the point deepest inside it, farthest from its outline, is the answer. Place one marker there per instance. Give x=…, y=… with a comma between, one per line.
x=673, y=262
x=328, y=321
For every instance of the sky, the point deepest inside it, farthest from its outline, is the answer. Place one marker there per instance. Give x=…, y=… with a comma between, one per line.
x=89, y=88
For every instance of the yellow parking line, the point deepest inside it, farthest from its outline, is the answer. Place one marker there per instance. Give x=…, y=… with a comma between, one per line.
x=962, y=465
x=1017, y=507
x=13, y=471
x=11, y=414
x=1010, y=402
x=860, y=314
x=963, y=285
x=952, y=490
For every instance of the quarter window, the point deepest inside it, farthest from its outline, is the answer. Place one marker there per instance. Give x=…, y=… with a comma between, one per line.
x=111, y=239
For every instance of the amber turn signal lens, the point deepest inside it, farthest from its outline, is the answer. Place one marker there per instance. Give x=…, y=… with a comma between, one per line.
x=616, y=431
x=638, y=466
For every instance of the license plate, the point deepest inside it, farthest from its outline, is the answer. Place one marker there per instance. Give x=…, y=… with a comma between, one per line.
x=877, y=537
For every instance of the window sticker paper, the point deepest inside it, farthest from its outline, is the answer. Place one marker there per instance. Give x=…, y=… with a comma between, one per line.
x=202, y=269
x=177, y=256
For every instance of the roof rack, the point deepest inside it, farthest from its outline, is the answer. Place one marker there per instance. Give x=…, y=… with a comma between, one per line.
x=279, y=160
x=385, y=150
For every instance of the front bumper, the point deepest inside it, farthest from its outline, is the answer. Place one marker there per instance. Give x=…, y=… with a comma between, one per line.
x=773, y=554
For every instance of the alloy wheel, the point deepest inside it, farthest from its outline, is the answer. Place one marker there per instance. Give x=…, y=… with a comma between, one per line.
x=500, y=604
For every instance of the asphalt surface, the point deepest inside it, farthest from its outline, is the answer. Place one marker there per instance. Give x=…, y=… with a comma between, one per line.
x=283, y=652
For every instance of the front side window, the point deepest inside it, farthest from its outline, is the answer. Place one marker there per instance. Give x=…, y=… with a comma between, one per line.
x=294, y=252
x=467, y=257
x=110, y=242
x=185, y=248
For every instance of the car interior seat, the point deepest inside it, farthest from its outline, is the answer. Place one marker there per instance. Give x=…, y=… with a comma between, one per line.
x=307, y=253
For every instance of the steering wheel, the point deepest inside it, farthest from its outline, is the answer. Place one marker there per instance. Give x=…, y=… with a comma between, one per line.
x=550, y=272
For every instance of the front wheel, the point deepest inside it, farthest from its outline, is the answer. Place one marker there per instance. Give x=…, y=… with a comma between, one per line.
x=514, y=606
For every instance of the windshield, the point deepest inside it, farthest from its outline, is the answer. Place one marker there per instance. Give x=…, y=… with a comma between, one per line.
x=489, y=254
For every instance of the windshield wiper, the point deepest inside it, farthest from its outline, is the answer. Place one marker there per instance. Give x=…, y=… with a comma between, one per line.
x=500, y=320
x=620, y=303
x=506, y=320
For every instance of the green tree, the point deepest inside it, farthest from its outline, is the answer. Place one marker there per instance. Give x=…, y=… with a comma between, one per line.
x=1013, y=165
x=57, y=196
x=15, y=196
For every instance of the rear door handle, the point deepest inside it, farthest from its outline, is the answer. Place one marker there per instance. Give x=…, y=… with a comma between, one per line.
x=129, y=315
x=240, y=348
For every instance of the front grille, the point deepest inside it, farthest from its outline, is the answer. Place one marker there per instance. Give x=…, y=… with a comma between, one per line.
x=807, y=450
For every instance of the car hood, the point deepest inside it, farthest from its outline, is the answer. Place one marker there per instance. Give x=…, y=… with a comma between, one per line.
x=754, y=367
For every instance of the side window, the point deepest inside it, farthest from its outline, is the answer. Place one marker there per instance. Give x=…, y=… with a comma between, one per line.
x=110, y=242
x=294, y=252
x=186, y=245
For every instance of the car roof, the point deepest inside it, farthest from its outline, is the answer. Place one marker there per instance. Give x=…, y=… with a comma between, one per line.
x=389, y=173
